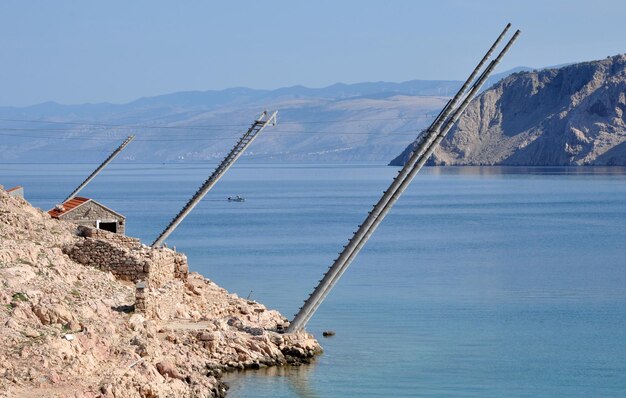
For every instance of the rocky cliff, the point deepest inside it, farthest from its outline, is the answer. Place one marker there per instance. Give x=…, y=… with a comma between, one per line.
x=574, y=115
x=72, y=326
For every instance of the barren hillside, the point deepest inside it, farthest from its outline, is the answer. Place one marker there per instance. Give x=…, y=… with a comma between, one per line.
x=574, y=115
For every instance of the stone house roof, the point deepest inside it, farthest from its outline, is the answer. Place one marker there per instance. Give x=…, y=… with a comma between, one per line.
x=14, y=189
x=75, y=203
x=17, y=191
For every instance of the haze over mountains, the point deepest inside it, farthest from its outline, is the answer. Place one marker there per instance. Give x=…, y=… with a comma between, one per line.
x=342, y=122
x=573, y=115
x=369, y=121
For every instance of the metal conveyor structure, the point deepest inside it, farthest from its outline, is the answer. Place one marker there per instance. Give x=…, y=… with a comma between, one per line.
x=241, y=145
x=99, y=168
x=425, y=146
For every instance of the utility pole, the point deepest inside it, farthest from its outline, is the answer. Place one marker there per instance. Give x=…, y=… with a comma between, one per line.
x=241, y=145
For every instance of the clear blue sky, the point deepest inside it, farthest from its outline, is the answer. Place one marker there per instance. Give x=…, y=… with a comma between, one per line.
x=116, y=51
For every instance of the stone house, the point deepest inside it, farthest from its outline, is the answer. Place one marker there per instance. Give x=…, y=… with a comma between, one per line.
x=88, y=212
x=16, y=192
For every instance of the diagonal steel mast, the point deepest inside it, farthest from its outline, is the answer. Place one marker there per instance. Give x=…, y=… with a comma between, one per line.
x=241, y=145
x=427, y=144
x=102, y=166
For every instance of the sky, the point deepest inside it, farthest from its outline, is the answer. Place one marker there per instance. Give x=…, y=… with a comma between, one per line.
x=75, y=52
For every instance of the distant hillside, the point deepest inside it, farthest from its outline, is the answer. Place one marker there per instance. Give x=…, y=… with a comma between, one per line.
x=342, y=122
x=366, y=121
x=574, y=115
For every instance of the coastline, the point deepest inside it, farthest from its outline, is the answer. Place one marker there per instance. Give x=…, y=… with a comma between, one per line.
x=70, y=329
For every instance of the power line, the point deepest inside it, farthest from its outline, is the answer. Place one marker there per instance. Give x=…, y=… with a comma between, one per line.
x=125, y=126
x=205, y=127
x=184, y=139
x=337, y=132
x=112, y=138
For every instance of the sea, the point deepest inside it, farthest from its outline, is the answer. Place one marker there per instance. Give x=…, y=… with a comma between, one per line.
x=481, y=282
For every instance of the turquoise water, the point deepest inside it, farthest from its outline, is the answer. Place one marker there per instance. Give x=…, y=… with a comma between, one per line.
x=482, y=282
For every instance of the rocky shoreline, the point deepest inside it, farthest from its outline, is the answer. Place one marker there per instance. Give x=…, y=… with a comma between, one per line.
x=70, y=327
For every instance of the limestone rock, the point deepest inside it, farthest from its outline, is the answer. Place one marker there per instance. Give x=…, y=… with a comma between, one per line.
x=574, y=115
x=169, y=370
x=30, y=332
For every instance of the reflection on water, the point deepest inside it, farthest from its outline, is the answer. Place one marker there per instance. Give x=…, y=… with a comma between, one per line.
x=522, y=170
x=295, y=377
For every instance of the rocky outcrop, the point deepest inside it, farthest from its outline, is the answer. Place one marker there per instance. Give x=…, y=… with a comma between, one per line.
x=575, y=115
x=71, y=330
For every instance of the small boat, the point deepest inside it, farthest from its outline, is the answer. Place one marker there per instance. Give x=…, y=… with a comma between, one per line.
x=236, y=199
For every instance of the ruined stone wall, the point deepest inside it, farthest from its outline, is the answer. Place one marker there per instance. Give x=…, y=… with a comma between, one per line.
x=160, y=274
x=127, y=258
x=90, y=212
x=126, y=241
x=164, y=266
x=141, y=301
x=108, y=256
x=159, y=303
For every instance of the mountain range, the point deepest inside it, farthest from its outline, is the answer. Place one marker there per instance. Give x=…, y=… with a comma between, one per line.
x=567, y=115
x=342, y=122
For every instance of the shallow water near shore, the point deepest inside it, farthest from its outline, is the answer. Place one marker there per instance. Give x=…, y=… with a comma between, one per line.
x=482, y=282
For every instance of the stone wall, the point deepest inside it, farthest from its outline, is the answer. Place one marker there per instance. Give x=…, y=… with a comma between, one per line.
x=141, y=301
x=165, y=265
x=108, y=256
x=127, y=258
x=160, y=274
x=90, y=212
x=126, y=241
x=159, y=303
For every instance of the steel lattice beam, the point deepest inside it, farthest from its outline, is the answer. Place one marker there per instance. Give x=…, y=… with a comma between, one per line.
x=99, y=168
x=427, y=144
x=239, y=148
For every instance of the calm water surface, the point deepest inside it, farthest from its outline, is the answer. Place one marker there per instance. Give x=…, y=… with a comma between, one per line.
x=482, y=282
